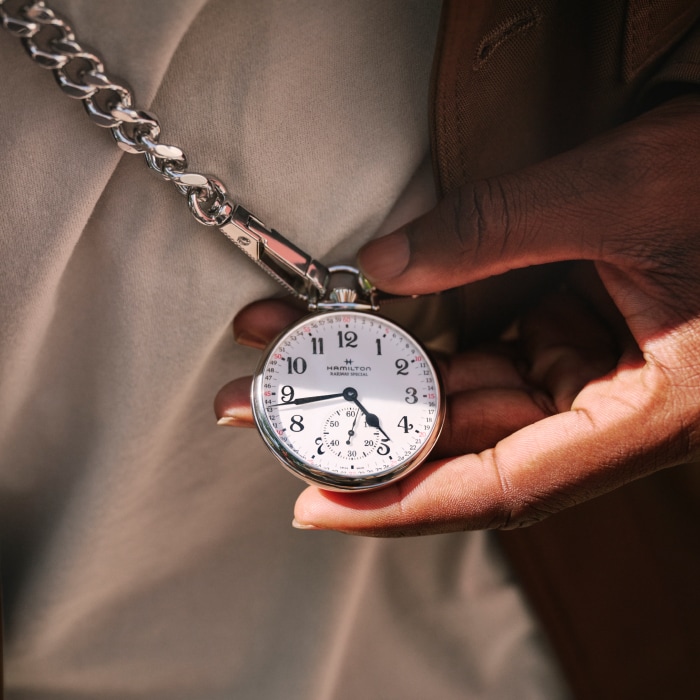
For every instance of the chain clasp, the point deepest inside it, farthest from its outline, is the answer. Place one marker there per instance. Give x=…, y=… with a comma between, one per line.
x=294, y=269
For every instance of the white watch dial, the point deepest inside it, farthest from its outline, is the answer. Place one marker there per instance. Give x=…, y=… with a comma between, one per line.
x=348, y=400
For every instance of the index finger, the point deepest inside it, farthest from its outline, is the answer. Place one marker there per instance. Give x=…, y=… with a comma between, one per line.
x=259, y=323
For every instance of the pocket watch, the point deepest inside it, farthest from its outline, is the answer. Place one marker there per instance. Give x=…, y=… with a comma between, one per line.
x=347, y=400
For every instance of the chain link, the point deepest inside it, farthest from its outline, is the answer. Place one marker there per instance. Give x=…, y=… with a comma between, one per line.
x=80, y=73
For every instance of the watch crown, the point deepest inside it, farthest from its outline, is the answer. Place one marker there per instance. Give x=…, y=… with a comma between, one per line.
x=343, y=295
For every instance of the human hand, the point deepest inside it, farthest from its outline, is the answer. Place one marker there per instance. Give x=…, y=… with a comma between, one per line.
x=487, y=397
x=628, y=201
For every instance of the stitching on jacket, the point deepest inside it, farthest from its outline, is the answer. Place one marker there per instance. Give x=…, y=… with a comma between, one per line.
x=517, y=24
x=640, y=49
x=461, y=147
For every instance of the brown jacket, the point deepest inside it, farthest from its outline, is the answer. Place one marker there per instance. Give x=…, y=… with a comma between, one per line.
x=616, y=581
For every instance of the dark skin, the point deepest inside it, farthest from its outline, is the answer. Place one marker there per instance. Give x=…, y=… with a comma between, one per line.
x=601, y=384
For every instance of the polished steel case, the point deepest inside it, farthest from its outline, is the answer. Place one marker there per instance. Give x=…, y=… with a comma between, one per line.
x=318, y=477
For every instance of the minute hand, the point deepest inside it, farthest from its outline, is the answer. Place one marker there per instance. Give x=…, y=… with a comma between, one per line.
x=309, y=399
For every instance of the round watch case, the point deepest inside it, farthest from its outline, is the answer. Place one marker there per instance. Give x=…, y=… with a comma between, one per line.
x=347, y=400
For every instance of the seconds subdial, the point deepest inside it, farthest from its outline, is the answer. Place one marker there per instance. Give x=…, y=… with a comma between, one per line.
x=347, y=435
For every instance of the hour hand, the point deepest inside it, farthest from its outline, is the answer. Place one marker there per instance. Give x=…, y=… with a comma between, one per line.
x=309, y=399
x=372, y=419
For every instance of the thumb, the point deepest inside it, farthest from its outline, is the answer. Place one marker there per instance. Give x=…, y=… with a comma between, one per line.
x=594, y=202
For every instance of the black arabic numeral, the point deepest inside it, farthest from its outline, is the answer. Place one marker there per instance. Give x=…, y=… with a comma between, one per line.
x=296, y=365
x=297, y=423
x=349, y=338
x=287, y=394
x=402, y=366
x=319, y=442
x=411, y=398
x=317, y=346
x=403, y=423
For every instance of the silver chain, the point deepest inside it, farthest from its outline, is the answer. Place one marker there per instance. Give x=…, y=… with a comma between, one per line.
x=50, y=41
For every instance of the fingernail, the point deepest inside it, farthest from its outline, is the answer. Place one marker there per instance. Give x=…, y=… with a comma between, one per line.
x=237, y=420
x=303, y=526
x=249, y=339
x=385, y=258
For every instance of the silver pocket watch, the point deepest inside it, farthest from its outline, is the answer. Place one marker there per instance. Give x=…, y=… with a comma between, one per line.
x=347, y=399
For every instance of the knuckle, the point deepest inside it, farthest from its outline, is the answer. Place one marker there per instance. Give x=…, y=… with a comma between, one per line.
x=480, y=218
x=510, y=509
x=521, y=505
x=492, y=212
x=451, y=232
